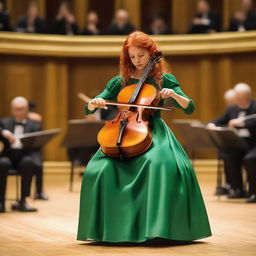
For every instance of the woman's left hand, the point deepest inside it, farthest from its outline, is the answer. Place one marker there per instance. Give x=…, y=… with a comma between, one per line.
x=166, y=93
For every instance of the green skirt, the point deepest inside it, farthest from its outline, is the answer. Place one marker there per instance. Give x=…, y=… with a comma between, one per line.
x=154, y=195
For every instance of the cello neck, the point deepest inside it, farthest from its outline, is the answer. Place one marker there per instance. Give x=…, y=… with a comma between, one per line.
x=144, y=76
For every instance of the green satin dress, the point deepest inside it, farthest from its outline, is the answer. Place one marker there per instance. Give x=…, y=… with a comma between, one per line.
x=153, y=195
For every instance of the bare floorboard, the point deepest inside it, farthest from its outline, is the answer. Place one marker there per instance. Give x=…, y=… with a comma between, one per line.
x=52, y=230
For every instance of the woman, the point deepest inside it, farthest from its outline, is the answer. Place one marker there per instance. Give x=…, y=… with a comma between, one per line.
x=155, y=194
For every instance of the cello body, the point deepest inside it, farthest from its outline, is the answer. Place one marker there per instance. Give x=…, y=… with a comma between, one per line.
x=128, y=134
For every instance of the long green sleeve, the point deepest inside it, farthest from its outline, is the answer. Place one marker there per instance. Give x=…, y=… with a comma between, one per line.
x=111, y=91
x=169, y=81
x=113, y=87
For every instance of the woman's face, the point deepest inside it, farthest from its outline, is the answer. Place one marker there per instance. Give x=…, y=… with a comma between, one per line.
x=139, y=57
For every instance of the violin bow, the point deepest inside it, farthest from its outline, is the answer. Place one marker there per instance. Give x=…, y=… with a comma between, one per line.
x=248, y=117
x=87, y=100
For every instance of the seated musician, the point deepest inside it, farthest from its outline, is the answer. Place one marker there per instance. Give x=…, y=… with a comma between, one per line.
x=27, y=162
x=230, y=100
x=235, y=117
x=205, y=20
x=230, y=97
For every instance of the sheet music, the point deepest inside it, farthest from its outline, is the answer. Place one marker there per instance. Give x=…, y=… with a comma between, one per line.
x=34, y=134
x=242, y=132
x=219, y=128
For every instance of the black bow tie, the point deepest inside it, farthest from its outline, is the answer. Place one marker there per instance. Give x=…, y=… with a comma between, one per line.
x=19, y=123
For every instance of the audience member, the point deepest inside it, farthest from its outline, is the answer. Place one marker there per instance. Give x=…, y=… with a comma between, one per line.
x=31, y=22
x=65, y=22
x=205, y=21
x=4, y=18
x=158, y=27
x=121, y=24
x=245, y=18
x=92, y=24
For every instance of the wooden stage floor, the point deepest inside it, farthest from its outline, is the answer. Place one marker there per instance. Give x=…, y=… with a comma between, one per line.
x=52, y=230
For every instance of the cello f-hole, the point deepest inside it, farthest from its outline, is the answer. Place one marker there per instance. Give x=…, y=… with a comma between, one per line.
x=137, y=117
x=119, y=116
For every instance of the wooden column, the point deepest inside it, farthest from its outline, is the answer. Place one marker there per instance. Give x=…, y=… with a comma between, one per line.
x=3, y=88
x=182, y=13
x=10, y=7
x=56, y=109
x=224, y=79
x=229, y=8
x=207, y=89
x=62, y=107
x=133, y=7
x=81, y=10
x=119, y=4
x=41, y=7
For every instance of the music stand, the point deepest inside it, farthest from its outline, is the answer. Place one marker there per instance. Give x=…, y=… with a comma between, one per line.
x=184, y=128
x=225, y=140
x=36, y=140
x=81, y=140
x=200, y=139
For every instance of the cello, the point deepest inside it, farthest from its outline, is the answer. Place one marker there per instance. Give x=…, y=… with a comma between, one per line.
x=128, y=134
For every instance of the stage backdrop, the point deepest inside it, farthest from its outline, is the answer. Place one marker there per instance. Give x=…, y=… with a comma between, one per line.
x=51, y=70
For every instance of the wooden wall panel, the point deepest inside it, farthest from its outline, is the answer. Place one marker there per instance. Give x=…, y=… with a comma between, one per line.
x=80, y=11
x=20, y=78
x=185, y=69
x=4, y=108
x=88, y=76
x=242, y=66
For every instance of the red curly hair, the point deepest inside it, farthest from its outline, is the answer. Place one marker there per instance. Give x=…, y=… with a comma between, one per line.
x=140, y=39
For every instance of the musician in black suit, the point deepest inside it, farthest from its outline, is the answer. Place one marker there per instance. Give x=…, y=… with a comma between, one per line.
x=234, y=117
x=27, y=162
x=4, y=18
x=30, y=23
x=205, y=21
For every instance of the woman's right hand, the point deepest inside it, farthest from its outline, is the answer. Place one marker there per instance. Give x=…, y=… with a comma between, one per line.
x=96, y=103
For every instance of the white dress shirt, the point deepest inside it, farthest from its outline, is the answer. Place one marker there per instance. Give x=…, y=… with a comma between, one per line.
x=243, y=132
x=18, y=131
